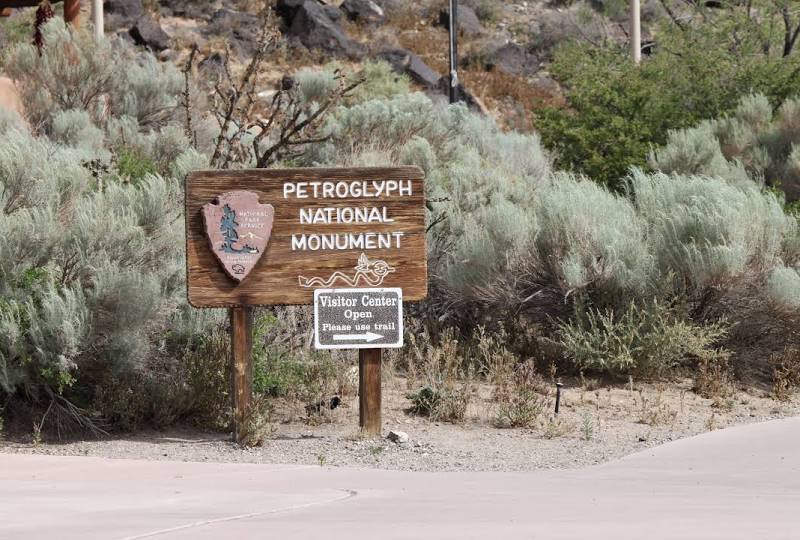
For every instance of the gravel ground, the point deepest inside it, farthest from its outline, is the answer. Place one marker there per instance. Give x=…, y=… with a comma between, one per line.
x=593, y=427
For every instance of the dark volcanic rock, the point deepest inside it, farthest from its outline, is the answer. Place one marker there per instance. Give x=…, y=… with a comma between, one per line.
x=241, y=29
x=287, y=9
x=316, y=27
x=146, y=31
x=468, y=22
x=366, y=11
x=512, y=59
x=403, y=61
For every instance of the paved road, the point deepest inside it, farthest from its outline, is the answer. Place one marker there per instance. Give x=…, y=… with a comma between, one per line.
x=740, y=483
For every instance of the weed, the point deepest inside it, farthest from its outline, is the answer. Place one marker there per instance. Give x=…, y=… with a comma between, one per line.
x=656, y=412
x=521, y=405
x=711, y=422
x=257, y=425
x=321, y=459
x=557, y=427
x=446, y=386
x=520, y=410
x=589, y=384
x=552, y=371
x=785, y=374
x=134, y=165
x=375, y=451
x=36, y=435
x=587, y=427
x=713, y=379
x=723, y=404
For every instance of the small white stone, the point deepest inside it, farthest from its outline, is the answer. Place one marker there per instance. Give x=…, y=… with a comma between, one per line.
x=398, y=437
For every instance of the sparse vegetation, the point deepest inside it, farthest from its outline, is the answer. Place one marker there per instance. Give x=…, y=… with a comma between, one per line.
x=786, y=374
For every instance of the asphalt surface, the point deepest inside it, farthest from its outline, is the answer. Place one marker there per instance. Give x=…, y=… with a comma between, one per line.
x=740, y=483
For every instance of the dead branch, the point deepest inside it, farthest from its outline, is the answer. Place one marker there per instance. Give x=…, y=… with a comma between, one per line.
x=281, y=130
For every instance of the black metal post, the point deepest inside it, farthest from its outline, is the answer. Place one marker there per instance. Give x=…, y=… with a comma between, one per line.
x=453, y=90
x=558, y=396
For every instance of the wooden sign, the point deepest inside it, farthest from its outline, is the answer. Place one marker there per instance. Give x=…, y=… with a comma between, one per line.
x=320, y=228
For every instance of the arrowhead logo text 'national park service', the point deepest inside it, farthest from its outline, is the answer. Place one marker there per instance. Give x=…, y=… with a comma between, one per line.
x=238, y=229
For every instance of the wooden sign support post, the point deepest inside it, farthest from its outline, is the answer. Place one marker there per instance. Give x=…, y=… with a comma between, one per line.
x=241, y=320
x=369, y=391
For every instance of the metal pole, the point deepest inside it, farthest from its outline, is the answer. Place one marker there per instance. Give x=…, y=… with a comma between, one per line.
x=97, y=19
x=558, y=396
x=453, y=51
x=636, y=32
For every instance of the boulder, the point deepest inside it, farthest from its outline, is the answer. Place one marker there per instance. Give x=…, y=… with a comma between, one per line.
x=241, y=29
x=317, y=27
x=146, y=31
x=512, y=59
x=468, y=22
x=398, y=437
x=364, y=11
x=287, y=9
x=122, y=13
x=403, y=61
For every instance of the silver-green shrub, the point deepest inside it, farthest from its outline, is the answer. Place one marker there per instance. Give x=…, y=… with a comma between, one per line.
x=753, y=142
x=89, y=270
x=707, y=232
x=784, y=287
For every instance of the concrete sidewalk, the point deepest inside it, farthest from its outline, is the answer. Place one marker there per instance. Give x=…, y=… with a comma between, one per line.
x=740, y=483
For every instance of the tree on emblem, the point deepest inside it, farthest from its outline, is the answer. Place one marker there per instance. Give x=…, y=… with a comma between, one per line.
x=228, y=225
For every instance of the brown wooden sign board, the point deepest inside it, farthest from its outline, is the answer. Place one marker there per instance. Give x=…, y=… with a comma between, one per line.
x=346, y=227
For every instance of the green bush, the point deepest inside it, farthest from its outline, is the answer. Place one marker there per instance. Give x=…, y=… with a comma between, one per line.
x=380, y=81
x=134, y=166
x=616, y=111
x=645, y=341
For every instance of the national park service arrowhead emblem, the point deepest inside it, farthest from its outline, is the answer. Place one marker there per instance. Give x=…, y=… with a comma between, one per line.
x=238, y=229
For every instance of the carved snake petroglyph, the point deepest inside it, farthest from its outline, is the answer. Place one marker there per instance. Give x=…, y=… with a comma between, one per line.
x=372, y=273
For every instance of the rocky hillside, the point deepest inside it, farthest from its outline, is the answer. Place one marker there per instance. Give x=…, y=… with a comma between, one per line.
x=504, y=45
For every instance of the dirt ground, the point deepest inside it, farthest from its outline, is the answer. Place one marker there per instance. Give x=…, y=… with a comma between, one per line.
x=594, y=426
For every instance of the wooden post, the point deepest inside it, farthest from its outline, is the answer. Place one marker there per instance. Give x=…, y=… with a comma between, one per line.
x=369, y=391
x=72, y=11
x=5, y=12
x=636, y=32
x=241, y=319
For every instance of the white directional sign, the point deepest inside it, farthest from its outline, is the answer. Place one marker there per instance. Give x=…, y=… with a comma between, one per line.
x=358, y=318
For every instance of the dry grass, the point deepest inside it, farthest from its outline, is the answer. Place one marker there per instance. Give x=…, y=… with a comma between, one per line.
x=785, y=374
